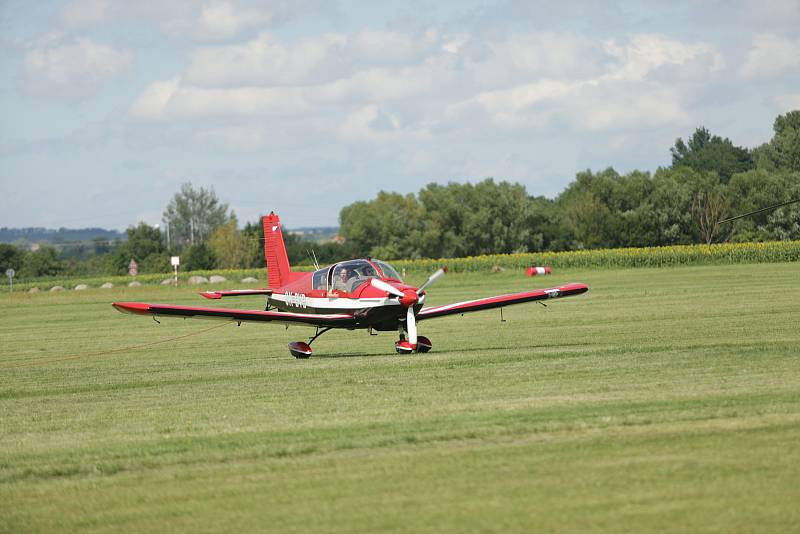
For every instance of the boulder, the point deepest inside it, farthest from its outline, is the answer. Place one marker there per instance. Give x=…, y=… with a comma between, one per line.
x=195, y=280
x=134, y=284
x=56, y=288
x=81, y=287
x=107, y=285
x=249, y=280
x=33, y=290
x=168, y=281
x=216, y=279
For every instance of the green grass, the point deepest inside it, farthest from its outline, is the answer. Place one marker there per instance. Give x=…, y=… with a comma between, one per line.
x=663, y=399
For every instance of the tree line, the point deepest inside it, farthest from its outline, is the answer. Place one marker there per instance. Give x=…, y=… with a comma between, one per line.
x=710, y=178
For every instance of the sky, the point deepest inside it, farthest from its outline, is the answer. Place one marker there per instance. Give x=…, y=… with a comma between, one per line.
x=304, y=106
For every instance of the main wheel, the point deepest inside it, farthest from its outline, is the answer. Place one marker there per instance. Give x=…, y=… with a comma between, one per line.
x=424, y=344
x=300, y=350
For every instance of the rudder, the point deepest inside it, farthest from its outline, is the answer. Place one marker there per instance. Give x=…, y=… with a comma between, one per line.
x=278, y=270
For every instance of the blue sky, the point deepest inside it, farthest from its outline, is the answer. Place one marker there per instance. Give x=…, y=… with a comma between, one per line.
x=303, y=107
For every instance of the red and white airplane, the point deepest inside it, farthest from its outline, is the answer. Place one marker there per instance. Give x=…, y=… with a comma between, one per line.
x=356, y=294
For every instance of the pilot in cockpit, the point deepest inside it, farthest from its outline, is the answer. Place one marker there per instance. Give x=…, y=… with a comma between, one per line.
x=342, y=281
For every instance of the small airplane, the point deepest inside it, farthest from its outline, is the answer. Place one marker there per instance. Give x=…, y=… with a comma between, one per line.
x=356, y=294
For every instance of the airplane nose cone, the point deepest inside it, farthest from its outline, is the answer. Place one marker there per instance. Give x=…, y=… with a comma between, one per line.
x=409, y=298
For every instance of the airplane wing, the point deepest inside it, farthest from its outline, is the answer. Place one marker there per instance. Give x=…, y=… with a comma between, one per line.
x=227, y=314
x=501, y=300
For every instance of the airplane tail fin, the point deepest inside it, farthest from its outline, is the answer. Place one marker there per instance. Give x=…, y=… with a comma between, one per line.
x=278, y=271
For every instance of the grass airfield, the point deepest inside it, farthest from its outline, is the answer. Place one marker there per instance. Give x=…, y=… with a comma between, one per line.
x=663, y=399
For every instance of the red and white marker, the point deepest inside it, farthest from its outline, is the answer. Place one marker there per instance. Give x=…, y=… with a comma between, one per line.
x=533, y=271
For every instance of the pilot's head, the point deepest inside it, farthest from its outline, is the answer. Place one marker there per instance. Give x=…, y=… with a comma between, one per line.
x=343, y=274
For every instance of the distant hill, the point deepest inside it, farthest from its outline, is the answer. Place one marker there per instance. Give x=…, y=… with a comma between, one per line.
x=28, y=236
x=24, y=236
x=319, y=234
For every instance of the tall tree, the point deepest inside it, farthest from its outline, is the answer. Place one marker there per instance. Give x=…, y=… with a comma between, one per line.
x=785, y=143
x=192, y=215
x=704, y=152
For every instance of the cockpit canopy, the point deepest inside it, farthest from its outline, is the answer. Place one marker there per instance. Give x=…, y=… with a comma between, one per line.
x=347, y=276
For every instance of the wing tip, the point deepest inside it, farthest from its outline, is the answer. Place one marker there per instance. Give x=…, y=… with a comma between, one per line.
x=138, y=308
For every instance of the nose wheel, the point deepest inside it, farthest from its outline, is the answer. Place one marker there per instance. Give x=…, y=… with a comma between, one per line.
x=404, y=347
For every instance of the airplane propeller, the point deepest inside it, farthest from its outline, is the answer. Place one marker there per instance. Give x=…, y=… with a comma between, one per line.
x=409, y=299
x=377, y=283
x=431, y=279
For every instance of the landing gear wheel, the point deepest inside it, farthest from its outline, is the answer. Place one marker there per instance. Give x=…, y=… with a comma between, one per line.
x=424, y=344
x=300, y=350
x=403, y=347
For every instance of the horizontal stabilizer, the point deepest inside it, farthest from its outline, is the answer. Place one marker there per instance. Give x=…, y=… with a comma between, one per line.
x=235, y=293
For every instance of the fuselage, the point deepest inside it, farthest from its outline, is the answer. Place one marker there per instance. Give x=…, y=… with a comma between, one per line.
x=329, y=291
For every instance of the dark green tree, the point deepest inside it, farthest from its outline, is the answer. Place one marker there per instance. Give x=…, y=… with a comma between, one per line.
x=199, y=257
x=388, y=226
x=11, y=257
x=41, y=262
x=704, y=152
x=783, y=151
x=143, y=241
x=466, y=219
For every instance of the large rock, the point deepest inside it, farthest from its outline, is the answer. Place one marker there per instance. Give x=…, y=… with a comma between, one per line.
x=107, y=285
x=249, y=280
x=134, y=284
x=168, y=281
x=81, y=287
x=217, y=279
x=33, y=290
x=195, y=280
x=56, y=288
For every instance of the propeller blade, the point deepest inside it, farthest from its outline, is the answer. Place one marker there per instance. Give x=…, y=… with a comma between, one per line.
x=411, y=326
x=435, y=276
x=383, y=286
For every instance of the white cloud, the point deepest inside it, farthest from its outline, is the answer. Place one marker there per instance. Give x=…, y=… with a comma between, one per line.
x=771, y=55
x=644, y=54
x=262, y=61
x=392, y=47
x=74, y=69
x=625, y=106
x=214, y=21
x=176, y=99
x=520, y=82
x=171, y=100
x=235, y=138
x=220, y=19
x=533, y=56
x=788, y=102
x=620, y=94
x=153, y=102
x=84, y=13
x=371, y=123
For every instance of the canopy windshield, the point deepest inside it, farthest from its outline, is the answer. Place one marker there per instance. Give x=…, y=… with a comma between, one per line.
x=387, y=270
x=350, y=275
